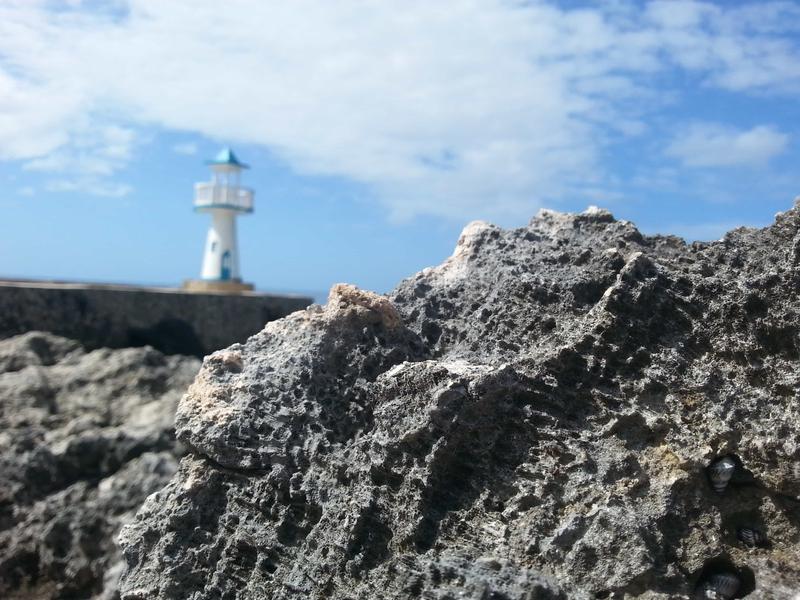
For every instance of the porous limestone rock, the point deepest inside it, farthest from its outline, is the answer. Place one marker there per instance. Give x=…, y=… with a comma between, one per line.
x=84, y=439
x=532, y=419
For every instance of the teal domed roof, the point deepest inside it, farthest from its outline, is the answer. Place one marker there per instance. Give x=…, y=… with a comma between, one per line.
x=227, y=157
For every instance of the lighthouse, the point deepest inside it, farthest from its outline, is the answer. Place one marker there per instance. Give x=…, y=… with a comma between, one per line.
x=224, y=199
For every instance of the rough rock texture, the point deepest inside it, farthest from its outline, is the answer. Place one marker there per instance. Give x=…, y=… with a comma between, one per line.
x=532, y=419
x=84, y=439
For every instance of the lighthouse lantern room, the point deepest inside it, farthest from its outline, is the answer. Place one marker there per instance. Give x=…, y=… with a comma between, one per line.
x=224, y=198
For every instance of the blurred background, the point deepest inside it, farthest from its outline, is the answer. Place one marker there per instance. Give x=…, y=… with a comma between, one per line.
x=377, y=130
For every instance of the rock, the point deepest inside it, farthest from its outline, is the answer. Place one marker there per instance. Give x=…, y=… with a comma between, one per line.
x=34, y=348
x=533, y=418
x=84, y=439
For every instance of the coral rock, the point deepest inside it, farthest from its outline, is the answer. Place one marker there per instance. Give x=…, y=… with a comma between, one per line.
x=531, y=419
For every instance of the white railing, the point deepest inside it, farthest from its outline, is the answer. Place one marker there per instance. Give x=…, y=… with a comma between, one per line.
x=210, y=195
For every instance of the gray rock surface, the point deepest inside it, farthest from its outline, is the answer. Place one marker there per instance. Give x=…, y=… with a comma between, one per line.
x=532, y=419
x=84, y=439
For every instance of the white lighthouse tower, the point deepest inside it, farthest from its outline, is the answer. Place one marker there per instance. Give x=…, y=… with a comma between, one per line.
x=224, y=199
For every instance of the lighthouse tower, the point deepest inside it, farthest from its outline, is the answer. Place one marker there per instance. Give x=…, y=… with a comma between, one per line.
x=224, y=199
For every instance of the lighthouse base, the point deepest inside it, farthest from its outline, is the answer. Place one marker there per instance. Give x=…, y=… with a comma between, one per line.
x=231, y=286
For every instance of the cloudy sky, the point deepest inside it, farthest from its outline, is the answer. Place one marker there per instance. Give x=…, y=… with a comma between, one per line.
x=377, y=129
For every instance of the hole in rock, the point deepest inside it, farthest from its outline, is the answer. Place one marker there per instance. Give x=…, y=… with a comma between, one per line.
x=383, y=476
x=431, y=332
x=721, y=566
x=425, y=534
x=269, y=562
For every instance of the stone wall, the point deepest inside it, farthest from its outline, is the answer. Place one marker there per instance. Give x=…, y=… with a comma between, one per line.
x=172, y=320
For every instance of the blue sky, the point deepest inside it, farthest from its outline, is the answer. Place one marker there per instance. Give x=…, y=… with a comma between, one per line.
x=377, y=132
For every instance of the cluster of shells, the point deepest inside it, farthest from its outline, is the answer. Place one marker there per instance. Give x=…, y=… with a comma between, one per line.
x=726, y=584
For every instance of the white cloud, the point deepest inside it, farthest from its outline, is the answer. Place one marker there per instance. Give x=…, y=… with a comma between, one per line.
x=490, y=106
x=739, y=48
x=31, y=123
x=92, y=149
x=187, y=148
x=681, y=14
x=92, y=154
x=91, y=186
x=714, y=145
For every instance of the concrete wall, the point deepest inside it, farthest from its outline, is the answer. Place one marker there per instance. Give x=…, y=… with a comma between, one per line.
x=172, y=320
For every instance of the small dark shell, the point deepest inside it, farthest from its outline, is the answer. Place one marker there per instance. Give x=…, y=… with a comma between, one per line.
x=722, y=586
x=720, y=473
x=751, y=537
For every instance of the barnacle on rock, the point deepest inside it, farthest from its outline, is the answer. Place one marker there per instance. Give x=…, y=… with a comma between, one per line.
x=720, y=473
x=751, y=536
x=720, y=586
